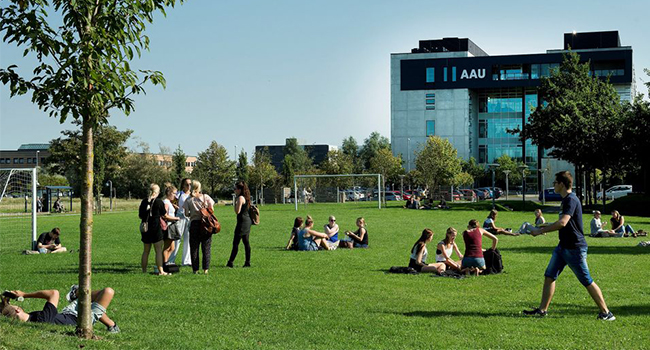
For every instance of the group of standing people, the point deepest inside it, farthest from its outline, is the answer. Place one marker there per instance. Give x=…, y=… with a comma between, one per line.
x=177, y=216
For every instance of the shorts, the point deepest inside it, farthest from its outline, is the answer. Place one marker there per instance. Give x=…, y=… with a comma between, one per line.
x=576, y=259
x=414, y=265
x=333, y=245
x=97, y=310
x=469, y=261
x=43, y=250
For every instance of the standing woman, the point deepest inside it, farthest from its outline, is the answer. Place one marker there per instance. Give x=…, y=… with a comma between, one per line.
x=170, y=217
x=151, y=210
x=243, y=228
x=183, y=225
x=198, y=236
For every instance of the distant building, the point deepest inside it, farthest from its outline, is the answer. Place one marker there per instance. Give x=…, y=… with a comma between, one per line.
x=165, y=160
x=318, y=153
x=26, y=156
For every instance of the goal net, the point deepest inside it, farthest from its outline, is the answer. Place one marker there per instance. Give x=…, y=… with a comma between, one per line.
x=18, y=208
x=343, y=188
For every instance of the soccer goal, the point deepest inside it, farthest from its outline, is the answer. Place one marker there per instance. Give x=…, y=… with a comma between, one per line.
x=338, y=188
x=18, y=208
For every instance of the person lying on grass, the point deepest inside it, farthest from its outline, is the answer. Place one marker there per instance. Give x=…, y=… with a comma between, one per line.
x=292, y=244
x=68, y=316
x=473, y=262
x=526, y=227
x=50, y=242
x=311, y=240
x=360, y=236
x=489, y=225
x=419, y=255
x=445, y=249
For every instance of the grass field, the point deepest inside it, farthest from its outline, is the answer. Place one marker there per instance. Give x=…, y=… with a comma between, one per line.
x=333, y=300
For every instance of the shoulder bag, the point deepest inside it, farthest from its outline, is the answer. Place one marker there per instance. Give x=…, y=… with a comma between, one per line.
x=209, y=222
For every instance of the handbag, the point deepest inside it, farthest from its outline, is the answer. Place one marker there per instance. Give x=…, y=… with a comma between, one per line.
x=254, y=214
x=144, y=225
x=209, y=222
x=173, y=231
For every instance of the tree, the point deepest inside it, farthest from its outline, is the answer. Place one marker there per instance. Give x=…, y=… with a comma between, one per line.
x=213, y=168
x=371, y=147
x=262, y=172
x=508, y=164
x=179, y=158
x=351, y=149
x=83, y=51
x=389, y=166
x=338, y=162
x=296, y=161
x=242, y=167
x=139, y=170
x=462, y=179
x=470, y=166
x=110, y=148
x=637, y=124
x=437, y=163
x=581, y=120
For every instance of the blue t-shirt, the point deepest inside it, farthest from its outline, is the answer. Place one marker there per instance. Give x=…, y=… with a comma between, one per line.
x=572, y=236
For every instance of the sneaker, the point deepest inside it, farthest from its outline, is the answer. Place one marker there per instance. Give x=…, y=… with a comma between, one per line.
x=609, y=316
x=72, y=294
x=535, y=312
x=113, y=329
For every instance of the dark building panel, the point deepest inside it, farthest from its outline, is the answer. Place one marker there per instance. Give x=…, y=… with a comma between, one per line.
x=449, y=45
x=318, y=153
x=591, y=40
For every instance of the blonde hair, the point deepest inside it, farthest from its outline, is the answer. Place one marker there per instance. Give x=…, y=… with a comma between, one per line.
x=309, y=220
x=196, y=188
x=362, y=221
x=448, y=235
x=538, y=211
x=169, y=190
x=154, y=191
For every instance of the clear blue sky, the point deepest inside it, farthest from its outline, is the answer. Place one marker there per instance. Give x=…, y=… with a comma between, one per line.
x=248, y=73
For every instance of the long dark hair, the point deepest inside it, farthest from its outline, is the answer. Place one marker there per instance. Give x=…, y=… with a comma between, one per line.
x=244, y=191
x=422, y=241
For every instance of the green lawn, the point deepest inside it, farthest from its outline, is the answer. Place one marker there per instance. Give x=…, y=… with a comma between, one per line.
x=333, y=300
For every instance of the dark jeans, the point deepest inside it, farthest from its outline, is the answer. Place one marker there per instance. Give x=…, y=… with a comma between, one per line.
x=235, y=248
x=199, y=238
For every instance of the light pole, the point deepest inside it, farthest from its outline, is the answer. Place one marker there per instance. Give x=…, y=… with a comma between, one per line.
x=109, y=183
x=507, y=172
x=523, y=182
x=542, y=171
x=37, y=152
x=493, y=167
x=408, y=155
x=401, y=180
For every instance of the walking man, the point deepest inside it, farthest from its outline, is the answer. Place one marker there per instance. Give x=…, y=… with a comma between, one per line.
x=572, y=250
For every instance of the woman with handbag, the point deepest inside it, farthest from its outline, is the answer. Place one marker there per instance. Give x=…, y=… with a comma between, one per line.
x=152, y=209
x=170, y=232
x=199, y=237
x=243, y=228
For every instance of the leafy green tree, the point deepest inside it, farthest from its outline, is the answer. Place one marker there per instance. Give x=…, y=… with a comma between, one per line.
x=462, y=179
x=508, y=164
x=338, y=162
x=476, y=171
x=242, y=167
x=110, y=147
x=371, y=147
x=83, y=49
x=262, y=172
x=179, y=158
x=389, y=166
x=581, y=120
x=437, y=163
x=139, y=170
x=296, y=161
x=635, y=130
x=350, y=147
x=213, y=168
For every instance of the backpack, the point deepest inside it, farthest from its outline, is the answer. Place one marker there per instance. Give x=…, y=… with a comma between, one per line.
x=493, y=263
x=209, y=222
x=254, y=213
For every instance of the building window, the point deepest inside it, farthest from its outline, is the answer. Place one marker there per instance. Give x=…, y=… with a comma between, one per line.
x=431, y=101
x=482, y=129
x=21, y=160
x=2, y=160
x=431, y=128
x=15, y=160
x=29, y=160
x=453, y=73
x=482, y=154
x=431, y=75
x=444, y=74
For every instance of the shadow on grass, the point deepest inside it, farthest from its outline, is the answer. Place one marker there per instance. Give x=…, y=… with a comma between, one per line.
x=632, y=250
x=119, y=268
x=456, y=313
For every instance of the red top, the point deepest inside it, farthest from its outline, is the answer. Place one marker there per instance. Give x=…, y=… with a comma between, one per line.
x=473, y=243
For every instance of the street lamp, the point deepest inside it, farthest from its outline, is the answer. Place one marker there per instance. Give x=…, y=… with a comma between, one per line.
x=408, y=154
x=523, y=168
x=542, y=171
x=493, y=167
x=507, y=172
x=37, y=152
x=109, y=183
x=401, y=180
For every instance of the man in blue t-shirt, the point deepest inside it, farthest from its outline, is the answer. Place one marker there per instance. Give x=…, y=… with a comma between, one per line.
x=572, y=250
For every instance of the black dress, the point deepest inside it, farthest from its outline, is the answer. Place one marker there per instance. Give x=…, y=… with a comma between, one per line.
x=244, y=222
x=155, y=233
x=242, y=233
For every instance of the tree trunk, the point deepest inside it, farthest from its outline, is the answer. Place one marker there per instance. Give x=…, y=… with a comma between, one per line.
x=84, y=320
x=595, y=188
x=588, y=186
x=603, y=189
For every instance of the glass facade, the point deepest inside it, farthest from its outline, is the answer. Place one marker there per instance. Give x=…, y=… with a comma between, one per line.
x=431, y=128
x=431, y=101
x=431, y=75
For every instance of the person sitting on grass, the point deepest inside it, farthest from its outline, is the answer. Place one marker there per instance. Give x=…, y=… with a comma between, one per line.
x=331, y=229
x=68, y=316
x=619, y=226
x=50, y=242
x=311, y=240
x=360, y=236
x=597, y=227
x=526, y=227
x=473, y=261
x=445, y=249
x=292, y=244
x=419, y=254
x=58, y=206
x=409, y=203
x=489, y=225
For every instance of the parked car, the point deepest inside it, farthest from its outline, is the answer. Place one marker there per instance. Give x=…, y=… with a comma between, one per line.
x=354, y=195
x=468, y=195
x=550, y=195
x=489, y=193
x=393, y=196
x=481, y=194
x=615, y=192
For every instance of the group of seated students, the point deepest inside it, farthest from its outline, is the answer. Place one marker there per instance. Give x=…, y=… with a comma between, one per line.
x=472, y=262
x=619, y=227
x=307, y=239
x=415, y=202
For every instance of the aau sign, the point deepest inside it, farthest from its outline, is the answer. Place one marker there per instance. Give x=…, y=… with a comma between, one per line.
x=473, y=74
